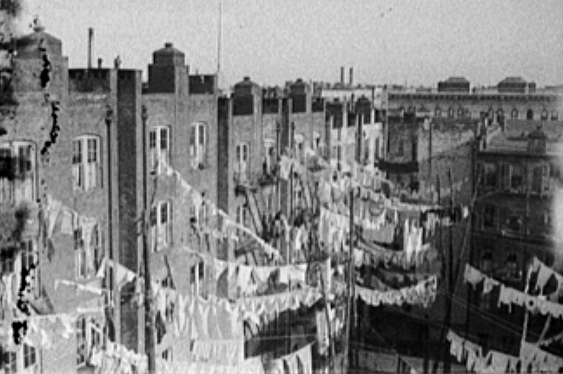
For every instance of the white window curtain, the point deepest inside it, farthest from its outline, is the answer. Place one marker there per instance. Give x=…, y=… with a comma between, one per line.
x=160, y=225
x=198, y=145
x=86, y=162
x=17, y=177
x=159, y=148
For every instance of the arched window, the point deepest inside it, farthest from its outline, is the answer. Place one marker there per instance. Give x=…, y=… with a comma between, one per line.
x=437, y=112
x=544, y=114
x=159, y=148
x=554, y=115
x=199, y=145
x=514, y=114
x=17, y=172
x=530, y=114
x=451, y=113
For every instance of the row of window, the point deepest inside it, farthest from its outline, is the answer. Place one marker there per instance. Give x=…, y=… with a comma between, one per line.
x=23, y=360
x=513, y=177
x=466, y=113
x=18, y=161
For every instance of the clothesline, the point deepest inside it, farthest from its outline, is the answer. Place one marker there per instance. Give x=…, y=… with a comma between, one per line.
x=532, y=358
x=423, y=293
x=509, y=295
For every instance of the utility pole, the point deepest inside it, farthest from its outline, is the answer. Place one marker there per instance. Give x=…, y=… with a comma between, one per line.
x=350, y=288
x=149, y=317
x=450, y=290
x=113, y=248
x=327, y=316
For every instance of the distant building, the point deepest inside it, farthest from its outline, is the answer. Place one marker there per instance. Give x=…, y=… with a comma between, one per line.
x=518, y=172
x=513, y=98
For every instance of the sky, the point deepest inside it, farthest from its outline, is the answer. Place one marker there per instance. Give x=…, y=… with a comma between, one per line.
x=386, y=41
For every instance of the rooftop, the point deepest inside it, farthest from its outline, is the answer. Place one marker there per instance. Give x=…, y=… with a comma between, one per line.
x=515, y=137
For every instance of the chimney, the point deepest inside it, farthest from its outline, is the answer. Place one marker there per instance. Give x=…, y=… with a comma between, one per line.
x=351, y=76
x=117, y=62
x=90, y=42
x=342, y=75
x=99, y=63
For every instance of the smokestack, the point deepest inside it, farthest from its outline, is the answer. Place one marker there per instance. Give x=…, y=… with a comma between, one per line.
x=351, y=76
x=100, y=63
x=342, y=75
x=90, y=41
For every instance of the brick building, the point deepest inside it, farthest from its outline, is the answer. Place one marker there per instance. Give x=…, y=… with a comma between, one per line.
x=512, y=98
x=518, y=172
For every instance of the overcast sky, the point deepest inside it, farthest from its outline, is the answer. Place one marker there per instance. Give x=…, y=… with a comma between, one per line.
x=386, y=41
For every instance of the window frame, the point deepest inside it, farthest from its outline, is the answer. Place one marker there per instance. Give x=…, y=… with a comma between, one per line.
x=87, y=162
x=23, y=184
x=242, y=160
x=199, y=149
x=160, y=147
x=160, y=231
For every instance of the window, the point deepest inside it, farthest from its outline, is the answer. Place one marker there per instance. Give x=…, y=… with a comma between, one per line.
x=554, y=115
x=316, y=140
x=198, y=145
x=487, y=263
x=460, y=113
x=167, y=355
x=516, y=177
x=89, y=251
x=514, y=114
x=514, y=223
x=241, y=162
x=490, y=175
x=414, y=151
x=197, y=279
x=489, y=217
x=160, y=225
x=86, y=162
x=81, y=341
x=538, y=178
x=10, y=362
x=401, y=148
x=451, y=113
x=88, y=338
x=7, y=260
x=512, y=271
x=544, y=114
x=438, y=112
x=80, y=252
x=159, y=148
x=17, y=172
x=29, y=261
x=530, y=114
x=505, y=170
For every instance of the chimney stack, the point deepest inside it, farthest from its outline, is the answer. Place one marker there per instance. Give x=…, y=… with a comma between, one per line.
x=90, y=41
x=351, y=76
x=99, y=63
x=342, y=75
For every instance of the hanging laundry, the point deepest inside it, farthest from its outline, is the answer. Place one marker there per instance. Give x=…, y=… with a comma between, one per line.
x=423, y=293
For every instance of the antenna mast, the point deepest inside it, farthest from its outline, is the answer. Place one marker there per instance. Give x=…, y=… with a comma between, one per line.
x=219, y=36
